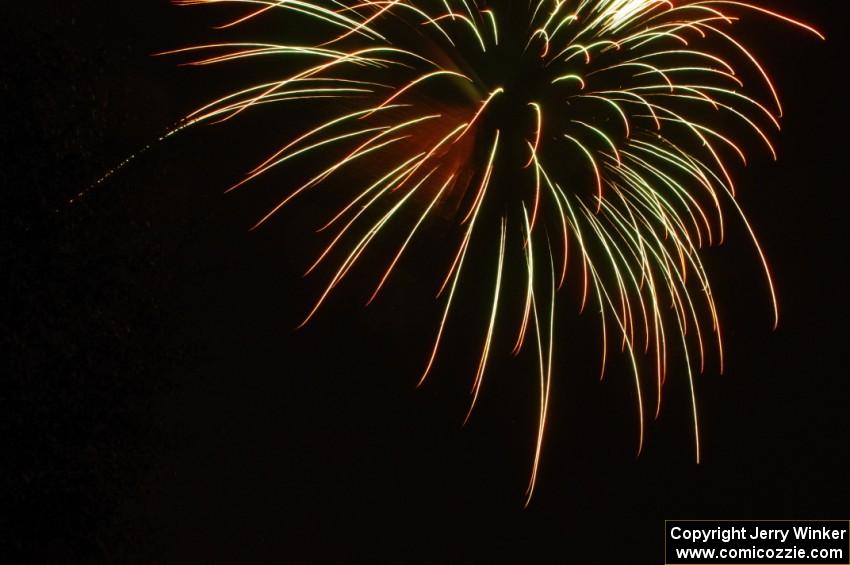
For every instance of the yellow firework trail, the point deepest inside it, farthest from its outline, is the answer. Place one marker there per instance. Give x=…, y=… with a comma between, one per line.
x=592, y=131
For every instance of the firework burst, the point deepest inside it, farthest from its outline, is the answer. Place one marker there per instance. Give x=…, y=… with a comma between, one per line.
x=581, y=142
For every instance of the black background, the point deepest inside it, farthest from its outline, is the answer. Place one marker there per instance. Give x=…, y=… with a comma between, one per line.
x=157, y=405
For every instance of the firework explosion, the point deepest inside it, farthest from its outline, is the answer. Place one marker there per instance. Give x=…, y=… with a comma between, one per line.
x=581, y=141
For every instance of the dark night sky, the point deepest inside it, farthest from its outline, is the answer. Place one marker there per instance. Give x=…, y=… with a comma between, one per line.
x=157, y=405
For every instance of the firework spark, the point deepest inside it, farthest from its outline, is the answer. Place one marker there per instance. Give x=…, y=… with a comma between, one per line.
x=590, y=136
